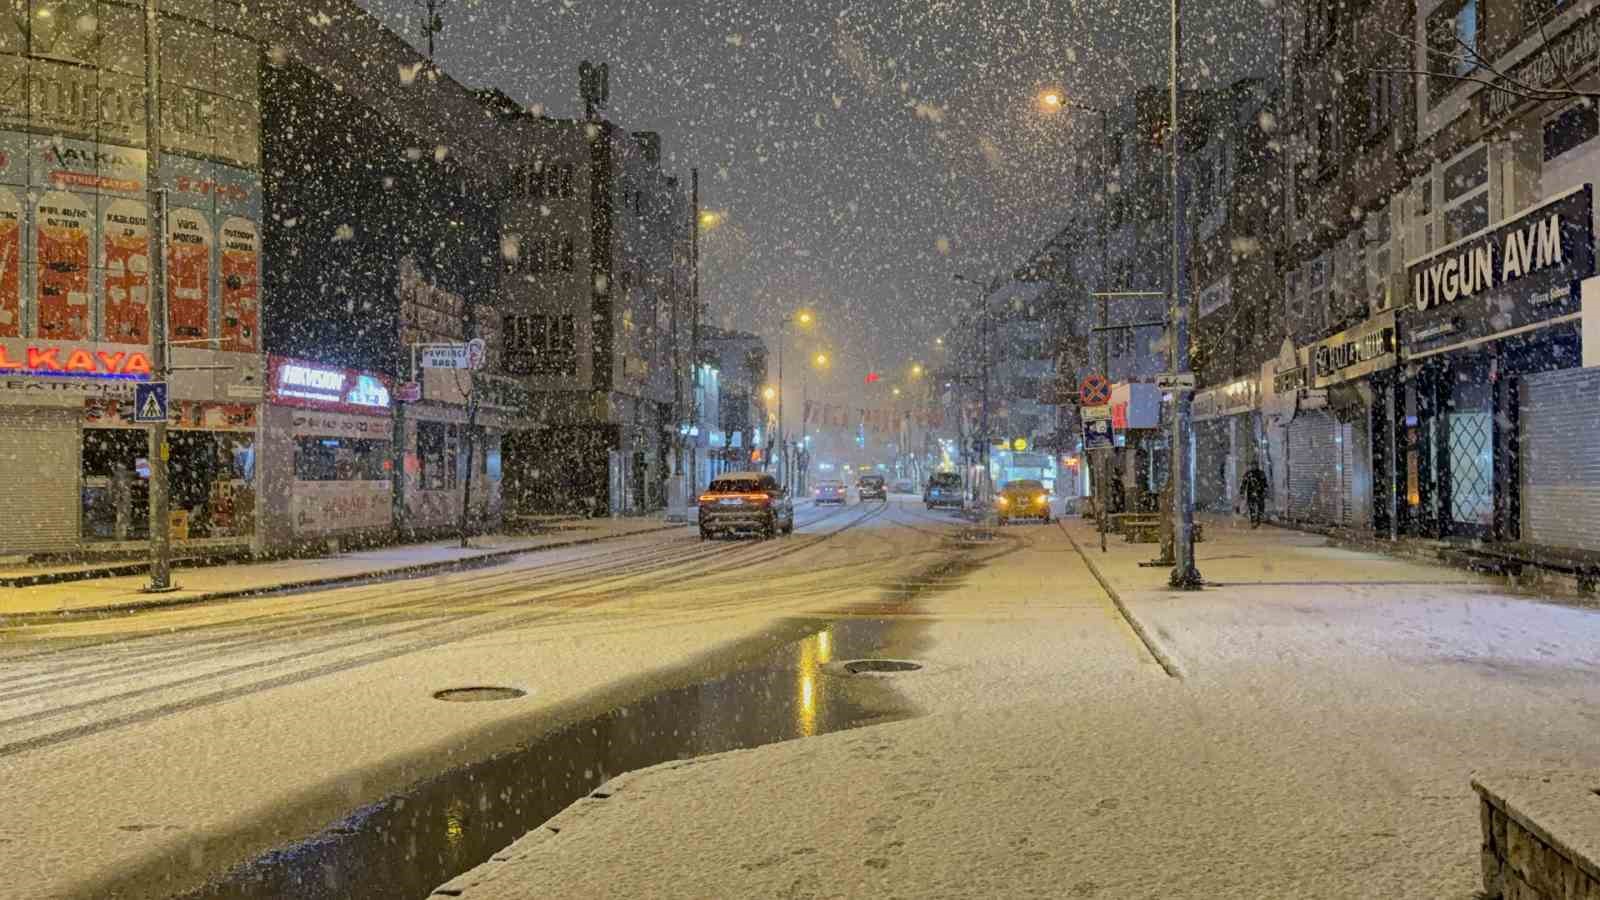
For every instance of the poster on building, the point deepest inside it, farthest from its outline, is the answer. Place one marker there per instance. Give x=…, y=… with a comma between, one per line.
x=188, y=274
x=319, y=507
x=193, y=415
x=63, y=226
x=125, y=270
x=10, y=264
x=241, y=309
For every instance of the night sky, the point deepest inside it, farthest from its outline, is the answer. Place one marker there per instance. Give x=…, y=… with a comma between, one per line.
x=862, y=152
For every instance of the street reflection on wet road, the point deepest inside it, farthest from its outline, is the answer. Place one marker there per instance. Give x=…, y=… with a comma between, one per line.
x=408, y=844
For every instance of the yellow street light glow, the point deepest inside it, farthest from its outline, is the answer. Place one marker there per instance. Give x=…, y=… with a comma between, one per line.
x=1052, y=98
x=916, y=370
x=710, y=219
x=822, y=359
x=804, y=317
x=769, y=393
x=897, y=392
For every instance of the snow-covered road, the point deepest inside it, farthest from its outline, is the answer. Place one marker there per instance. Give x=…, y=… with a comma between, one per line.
x=142, y=754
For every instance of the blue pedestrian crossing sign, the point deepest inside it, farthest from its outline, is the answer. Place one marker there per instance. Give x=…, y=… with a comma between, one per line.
x=150, y=401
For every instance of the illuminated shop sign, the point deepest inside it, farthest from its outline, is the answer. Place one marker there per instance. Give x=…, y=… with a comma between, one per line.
x=73, y=361
x=308, y=384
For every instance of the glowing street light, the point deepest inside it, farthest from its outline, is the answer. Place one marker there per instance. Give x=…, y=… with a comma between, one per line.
x=916, y=370
x=820, y=361
x=897, y=392
x=710, y=218
x=770, y=393
x=805, y=318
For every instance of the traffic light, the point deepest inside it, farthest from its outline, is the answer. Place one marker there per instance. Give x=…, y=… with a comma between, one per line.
x=872, y=377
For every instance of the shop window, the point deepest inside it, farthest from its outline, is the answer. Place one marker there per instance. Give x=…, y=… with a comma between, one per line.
x=438, y=451
x=211, y=479
x=1575, y=126
x=340, y=459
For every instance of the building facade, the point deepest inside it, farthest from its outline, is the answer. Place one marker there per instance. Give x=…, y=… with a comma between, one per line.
x=75, y=235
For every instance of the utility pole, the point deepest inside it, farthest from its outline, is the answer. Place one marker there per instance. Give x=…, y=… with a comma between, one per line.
x=160, y=521
x=783, y=440
x=433, y=23
x=1185, y=576
x=694, y=313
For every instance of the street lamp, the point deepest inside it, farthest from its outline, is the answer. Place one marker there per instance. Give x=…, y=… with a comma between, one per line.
x=805, y=318
x=983, y=400
x=916, y=370
x=710, y=219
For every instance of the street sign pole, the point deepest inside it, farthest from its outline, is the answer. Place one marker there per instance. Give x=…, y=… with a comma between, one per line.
x=156, y=227
x=1185, y=575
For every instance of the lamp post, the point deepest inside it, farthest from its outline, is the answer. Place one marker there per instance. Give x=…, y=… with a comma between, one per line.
x=805, y=318
x=1185, y=576
x=983, y=397
x=1058, y=100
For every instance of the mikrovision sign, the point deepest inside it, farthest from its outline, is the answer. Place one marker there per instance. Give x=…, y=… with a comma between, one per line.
x=1507, y=277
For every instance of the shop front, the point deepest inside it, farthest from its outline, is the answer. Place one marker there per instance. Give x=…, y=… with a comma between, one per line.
x=328, y=454
x=75, y=467
x=1496, y=417
x=452, y=439
x=1352, y=374
x=1226, y=435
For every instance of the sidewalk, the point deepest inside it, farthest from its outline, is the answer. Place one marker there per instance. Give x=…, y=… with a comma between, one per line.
x=1314, y=737
x=105, y=594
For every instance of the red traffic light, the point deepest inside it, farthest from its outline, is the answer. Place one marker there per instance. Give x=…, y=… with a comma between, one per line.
x=871, y=377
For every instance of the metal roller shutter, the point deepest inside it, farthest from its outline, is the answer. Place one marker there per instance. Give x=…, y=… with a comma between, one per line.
x=39, y=479
x=1211, y=460
x=1559, y=448
x=1347, y=468
x=1313, y=468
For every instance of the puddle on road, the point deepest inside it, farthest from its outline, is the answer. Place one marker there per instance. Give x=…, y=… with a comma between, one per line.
x=407, y=845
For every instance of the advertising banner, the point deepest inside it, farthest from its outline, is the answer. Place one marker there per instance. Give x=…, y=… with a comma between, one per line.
x=125, y=267
x=63, y=226
x=318, y=507
x=188, y=274
x=10, y=264
x=241, y=307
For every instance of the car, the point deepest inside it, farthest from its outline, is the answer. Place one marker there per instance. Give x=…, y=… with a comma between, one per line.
x=1022, y=499
x=902, y=487
x=749, y=502
x=872, y=487
x=831, y=492
x=944, y=489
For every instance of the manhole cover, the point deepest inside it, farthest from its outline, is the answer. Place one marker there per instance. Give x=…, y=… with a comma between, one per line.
x=478, y=694
x=857, y=666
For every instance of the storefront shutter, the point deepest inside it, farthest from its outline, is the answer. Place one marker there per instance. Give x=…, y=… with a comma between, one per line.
x=1313, y=468
x=1560, y=459
x=39, y=450
x=1347, y=467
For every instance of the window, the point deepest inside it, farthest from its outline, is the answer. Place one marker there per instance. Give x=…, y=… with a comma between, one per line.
x=438, y=447
x=1466, y=194
x=1453, y=36
x=534, y=258
x=541, y=345
x=340, y=459
x=567, y=180
x=1204, y=187
x=1385, y=94
x=1570, y=129
x=566, y=254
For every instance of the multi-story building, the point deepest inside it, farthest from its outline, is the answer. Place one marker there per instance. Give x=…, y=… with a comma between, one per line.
x=75, y=243
x=595, y=305
x=383, y=197
x=1498, y=437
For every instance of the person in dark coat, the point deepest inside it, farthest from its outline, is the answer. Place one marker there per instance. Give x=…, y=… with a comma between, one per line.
x=1255, y=494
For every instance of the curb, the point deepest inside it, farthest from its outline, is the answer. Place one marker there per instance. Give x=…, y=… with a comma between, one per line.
x=1167, y=663
x=452, y=565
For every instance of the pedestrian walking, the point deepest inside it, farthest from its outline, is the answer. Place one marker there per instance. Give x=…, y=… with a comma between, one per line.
x=1255, y=494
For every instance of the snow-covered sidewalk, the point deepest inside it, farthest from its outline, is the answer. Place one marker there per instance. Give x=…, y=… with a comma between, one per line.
x=1318, y=741
x=224, y=581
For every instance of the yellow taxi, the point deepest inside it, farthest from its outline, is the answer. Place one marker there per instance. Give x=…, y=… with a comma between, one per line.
x=1022, y=499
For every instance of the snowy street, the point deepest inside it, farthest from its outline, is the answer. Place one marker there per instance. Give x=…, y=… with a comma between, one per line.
x=146, y=753
x=1317, y=739
x=1329, y=710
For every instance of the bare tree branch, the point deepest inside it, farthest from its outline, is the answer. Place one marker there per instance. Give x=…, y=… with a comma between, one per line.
x=1510, y=87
